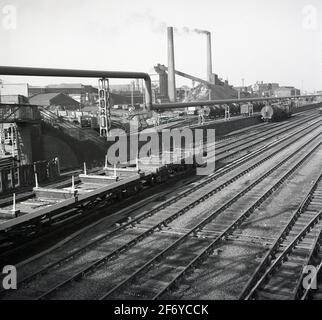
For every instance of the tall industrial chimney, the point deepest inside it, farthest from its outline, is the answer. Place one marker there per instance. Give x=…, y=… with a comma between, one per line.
x=171, y=68
x=209, y=59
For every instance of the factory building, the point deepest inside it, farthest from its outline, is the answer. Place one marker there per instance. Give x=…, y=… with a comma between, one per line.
x=55, y=101
x=84, y=94
x=287, y=92
x=262, y=89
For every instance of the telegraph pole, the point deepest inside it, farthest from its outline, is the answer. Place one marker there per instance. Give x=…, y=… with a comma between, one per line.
x=132, y=98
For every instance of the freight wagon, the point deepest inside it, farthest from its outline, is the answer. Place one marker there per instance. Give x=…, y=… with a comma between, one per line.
x=277, y=111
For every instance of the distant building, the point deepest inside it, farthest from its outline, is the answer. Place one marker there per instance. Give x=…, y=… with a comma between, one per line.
x=57, y=100
x=127, y=90
x=286, y=92
x=83, y=94
x=244, y=92
x=262, y=89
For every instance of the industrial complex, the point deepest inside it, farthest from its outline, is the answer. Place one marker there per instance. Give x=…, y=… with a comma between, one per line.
x=146, y=190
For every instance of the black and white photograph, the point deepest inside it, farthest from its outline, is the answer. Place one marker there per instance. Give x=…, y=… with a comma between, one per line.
x=160, y=150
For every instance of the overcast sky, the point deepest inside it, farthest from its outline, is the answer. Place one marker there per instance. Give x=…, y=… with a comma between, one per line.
x=274, y=41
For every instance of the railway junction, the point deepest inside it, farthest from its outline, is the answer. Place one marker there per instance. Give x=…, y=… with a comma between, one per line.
x=146, y=229
x=212, y=195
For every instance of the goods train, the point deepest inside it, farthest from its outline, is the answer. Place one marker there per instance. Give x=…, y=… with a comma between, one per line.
x=277, y=111
x=218, y=111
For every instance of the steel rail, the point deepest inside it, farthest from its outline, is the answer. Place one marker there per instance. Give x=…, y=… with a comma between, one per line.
x=208, y=219
x=159, y=226
x=308, y=291
x=252, y=143
x=129, y=210
x=261, y=140
x=277, y=127
x=274, y=128
x=273, y=125
x=231, y=228
x=242, y=157
x=259, y=271
x=72, y=203
x=284, y=254
x=139, y=218
x=315, y=248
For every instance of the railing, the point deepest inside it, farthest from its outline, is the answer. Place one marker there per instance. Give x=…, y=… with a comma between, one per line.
x=69, y=128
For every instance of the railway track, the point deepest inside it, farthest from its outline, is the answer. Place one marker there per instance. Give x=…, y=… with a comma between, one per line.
x=311, y=292
x=260, y=129
x=280, y=273
x=116, y=252
x=166, y=262
x=199, y=198
x=71, y=214
x=94, y=213
x=223, y=153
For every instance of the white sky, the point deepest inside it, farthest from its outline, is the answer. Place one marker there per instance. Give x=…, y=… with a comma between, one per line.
x=273, y=41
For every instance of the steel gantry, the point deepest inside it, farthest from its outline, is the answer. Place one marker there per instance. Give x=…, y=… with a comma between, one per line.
x=104, y=107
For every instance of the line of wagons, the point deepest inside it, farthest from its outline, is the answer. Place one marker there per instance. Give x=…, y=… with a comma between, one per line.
x=273, y=111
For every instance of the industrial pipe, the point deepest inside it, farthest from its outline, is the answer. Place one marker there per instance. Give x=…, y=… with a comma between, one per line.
x=46, y=72
x=169, y=106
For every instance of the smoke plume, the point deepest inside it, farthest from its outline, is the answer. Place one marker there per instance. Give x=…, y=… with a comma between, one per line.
x=201, y=31
x=187, y=30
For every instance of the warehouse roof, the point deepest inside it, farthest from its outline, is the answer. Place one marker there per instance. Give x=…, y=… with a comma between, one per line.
x=65, y=85
x=47, y=99
x=43, y=98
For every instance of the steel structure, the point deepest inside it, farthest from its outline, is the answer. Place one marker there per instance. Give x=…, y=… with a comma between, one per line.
x=104, y=107
x=185, y=75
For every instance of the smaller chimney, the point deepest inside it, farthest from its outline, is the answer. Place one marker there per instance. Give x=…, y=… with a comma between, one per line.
x=171, y=67
x=209, y=59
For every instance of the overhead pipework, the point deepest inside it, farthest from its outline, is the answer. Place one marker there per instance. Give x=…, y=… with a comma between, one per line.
x=171, y=67
x=47, y=72
x=171, y=106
